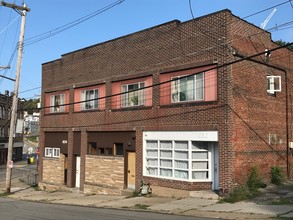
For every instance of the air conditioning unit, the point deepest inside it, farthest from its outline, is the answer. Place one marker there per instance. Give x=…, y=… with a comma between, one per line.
x=291, y=145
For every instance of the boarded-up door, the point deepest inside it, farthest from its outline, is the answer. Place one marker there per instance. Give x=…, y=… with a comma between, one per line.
x=77, y=173
x=131, y=170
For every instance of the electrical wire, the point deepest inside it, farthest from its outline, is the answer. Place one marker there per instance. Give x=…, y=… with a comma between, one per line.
x=4, y=29
x=272, y=7
x=69, y=25
x=79, y=20
x=190, y=8
x=168, y=81
x=30, y=90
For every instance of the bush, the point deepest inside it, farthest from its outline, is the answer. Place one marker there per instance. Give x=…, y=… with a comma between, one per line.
x=240, y=194
x=250, y=190
x=277, y=176
x=255, y=181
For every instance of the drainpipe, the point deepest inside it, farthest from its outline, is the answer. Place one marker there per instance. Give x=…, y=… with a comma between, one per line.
x=287, y=124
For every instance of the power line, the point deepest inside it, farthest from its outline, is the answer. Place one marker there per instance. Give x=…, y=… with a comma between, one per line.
x=168, y=81
x=190, y=8
x=9, y=25
x=283, y=3
x=69, y=25
x=30, y=89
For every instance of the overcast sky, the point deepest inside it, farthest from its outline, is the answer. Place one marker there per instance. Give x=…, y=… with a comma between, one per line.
x=127, y=17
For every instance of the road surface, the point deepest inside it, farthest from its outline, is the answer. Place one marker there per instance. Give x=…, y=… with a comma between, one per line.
x=13, y=209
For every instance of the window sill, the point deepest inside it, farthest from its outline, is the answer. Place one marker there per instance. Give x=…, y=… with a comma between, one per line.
x=56, y=113
x=192, y=103
x=182, y=180
x=131, y=108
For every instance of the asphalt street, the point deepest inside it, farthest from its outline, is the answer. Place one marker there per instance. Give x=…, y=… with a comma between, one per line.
x=15, y=210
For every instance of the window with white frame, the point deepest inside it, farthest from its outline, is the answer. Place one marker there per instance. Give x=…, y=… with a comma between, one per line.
x=187, y=88
x=56, y=152
x=57, y=103
x=182, y=160
x=90, y=98
x=48, y=152
x=273, y=84
x=133, y=94
x=52, y=152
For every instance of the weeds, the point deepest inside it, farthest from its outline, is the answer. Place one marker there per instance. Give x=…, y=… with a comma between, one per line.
x=141, y=206
x=4, y=194
x=254, y=181
x=277, y=176
x=240, y=194
x=249, y=191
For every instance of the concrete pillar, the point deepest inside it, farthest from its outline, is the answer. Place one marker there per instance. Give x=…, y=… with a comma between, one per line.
x=83, y=151
x=70, y=170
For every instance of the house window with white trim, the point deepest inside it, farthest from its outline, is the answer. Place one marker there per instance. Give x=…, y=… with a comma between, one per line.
x=56, y=152
x=48, y=152
x=187, y=88
x=57, y=103
x=52, y=152
x=90, y=99
x=273, y=84
x=133, y=94
x=178, y=159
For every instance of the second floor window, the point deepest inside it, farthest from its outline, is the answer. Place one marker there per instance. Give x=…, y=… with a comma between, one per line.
x=133, y=96
x=57, y=103
x=91, y=99
x=273, y=84
x=187, y=88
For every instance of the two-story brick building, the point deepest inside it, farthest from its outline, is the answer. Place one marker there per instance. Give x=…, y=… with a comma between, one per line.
x=5, y=113
x=178, y=105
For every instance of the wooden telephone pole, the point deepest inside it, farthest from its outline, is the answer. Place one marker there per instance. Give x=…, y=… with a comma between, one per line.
x=22, y=11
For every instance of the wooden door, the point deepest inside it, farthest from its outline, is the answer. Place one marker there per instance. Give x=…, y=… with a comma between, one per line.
x=131, y=170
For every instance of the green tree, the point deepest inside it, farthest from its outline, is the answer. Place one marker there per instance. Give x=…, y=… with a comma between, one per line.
x=31, y=105
x=282, y=43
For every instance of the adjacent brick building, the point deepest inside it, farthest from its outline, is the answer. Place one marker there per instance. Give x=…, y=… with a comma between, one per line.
x=162, y=106
x=5, y=113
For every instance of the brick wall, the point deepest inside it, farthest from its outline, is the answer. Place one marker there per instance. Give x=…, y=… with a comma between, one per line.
x=240, y=113
x=104, y=175
x=257, y=115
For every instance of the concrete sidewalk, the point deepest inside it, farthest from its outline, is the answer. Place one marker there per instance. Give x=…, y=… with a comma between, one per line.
x=186, y=206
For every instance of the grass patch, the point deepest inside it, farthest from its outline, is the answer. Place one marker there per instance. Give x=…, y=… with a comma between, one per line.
x=33, y=139
x=36, y=187
x=141, y=206
x=240, y=194
x=4, y=194
x=283, y=201
x=135, y=194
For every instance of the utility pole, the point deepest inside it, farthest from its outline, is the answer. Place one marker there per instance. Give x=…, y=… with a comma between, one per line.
x=22, y=11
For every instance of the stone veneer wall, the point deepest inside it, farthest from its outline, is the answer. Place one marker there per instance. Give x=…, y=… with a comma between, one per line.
x=53, y=173
x=104, y=174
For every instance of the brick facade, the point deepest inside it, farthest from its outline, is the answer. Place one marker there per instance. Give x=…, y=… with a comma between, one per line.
x=242, y=112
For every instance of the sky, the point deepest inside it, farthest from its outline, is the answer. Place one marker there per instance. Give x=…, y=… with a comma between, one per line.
x=48, y=17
